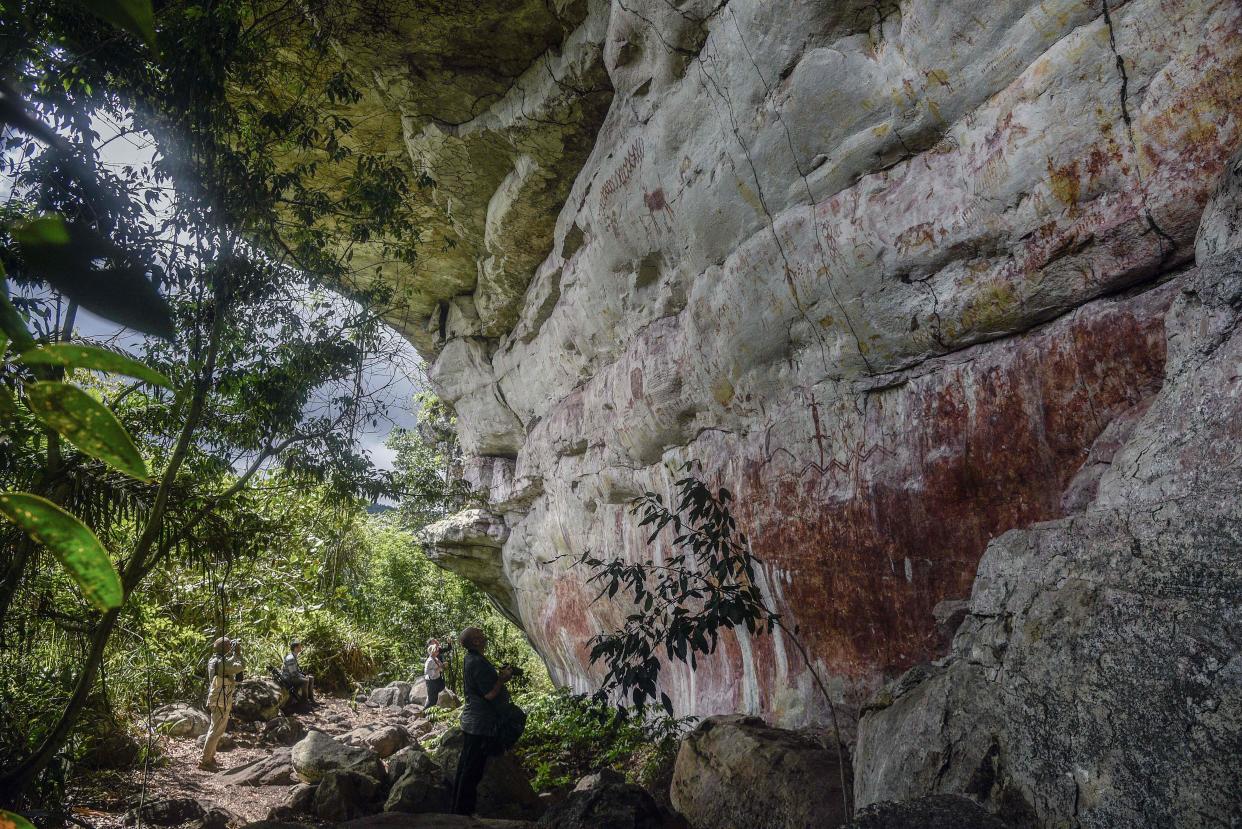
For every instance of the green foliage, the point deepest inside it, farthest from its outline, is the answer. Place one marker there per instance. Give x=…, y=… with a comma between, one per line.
x=87, y=424
x=682, y=603
x=71, y=541
x=73, y=355
x=8, y=820
x=568, y=736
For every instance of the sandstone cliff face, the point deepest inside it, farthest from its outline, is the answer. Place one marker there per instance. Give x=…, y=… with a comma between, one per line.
x=900, y=274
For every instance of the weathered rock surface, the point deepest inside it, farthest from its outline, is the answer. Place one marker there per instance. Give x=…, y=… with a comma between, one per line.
x=258, y=700
x=393, y=694
x=275, y=769
x=941, y=811
x=736, y=772
x=317, y=754
x=602, y=801
x=1097, y=678
x=183, y=811
x=504, y=791
x=398, y=820
x=283, y=730
x=180, y=720
x=344, y=795
x=900, y=275
x=855, y=259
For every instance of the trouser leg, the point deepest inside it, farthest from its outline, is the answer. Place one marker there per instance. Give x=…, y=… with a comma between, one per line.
x=434, y=687
x=219, y=722
x=469, y=772
x=310, y=688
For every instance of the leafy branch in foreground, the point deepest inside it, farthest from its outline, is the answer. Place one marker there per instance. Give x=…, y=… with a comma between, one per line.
x=682, y=604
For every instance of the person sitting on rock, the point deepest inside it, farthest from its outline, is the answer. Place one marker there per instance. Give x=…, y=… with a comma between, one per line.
x=223, y=670
x=301, y=684
x=481, y=684
x=433, y=672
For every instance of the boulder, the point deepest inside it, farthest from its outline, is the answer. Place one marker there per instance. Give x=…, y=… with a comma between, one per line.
x=180, y=720
x=183, y=811
x=412, y=711
x=419, y=791
x=942, y=811
x=387, y=741
x=393, y=694
x=411, y=758
x=302, y=797
x=448, y=700
x=504, y=791
x=599, y=779
x=283, y=730
x=316, y=754
x=275, y=769
x=418, y=693
x=112, y=750
x=726, y=777
x=419, y=727
x=343, y=795
x=258, y=700
x=600, y=801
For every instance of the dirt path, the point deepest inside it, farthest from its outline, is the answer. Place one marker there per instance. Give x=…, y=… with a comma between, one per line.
x=102, y=799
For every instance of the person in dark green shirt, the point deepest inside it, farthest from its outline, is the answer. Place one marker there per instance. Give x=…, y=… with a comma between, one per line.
x=483, y=686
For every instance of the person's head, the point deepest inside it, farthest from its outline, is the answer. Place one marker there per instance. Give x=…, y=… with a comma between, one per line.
x=221, y=645
x=295, y=646
x=473, y=639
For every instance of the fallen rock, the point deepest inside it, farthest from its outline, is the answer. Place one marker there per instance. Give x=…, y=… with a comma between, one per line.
x=418, y=692
x=387, y=741
x=180, y=720
x=411, y=758
x=183, y=811
x=419, y=727
x=258, y=700
x=276, y=769
x=505, y=790
x=419, y=791
x=344, y=795
x=114, y=750
x=600, y=802
x=412, y=710
x=601, y=778
x=283, y=730
x=316, y=754
x=302, y=797
x=941, y=811
x=448, y=700
x=393, y=694
x=737, y=772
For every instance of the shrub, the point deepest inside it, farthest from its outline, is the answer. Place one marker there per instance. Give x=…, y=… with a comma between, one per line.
x=569, y=736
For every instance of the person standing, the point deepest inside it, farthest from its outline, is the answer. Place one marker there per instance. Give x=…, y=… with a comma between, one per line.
x=433, y=672
x=223, y=669
x=481, y=684
x=303, y=684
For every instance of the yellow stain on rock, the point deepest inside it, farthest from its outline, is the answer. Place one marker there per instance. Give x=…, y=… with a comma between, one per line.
x=722, y=391
x=1064, y=181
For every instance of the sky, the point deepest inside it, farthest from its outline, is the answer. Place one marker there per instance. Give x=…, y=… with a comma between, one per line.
x=394, y=382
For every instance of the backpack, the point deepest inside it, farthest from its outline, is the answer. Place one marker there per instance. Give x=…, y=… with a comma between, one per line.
x=510, y=723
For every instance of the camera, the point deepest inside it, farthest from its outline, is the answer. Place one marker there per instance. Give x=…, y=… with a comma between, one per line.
x=446, y=648
x=514, y=670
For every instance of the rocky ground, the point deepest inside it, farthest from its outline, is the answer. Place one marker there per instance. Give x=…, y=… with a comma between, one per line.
x=104, y=800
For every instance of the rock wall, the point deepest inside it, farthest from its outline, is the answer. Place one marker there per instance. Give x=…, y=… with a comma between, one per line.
x=1097, y=679
x=897, y=273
